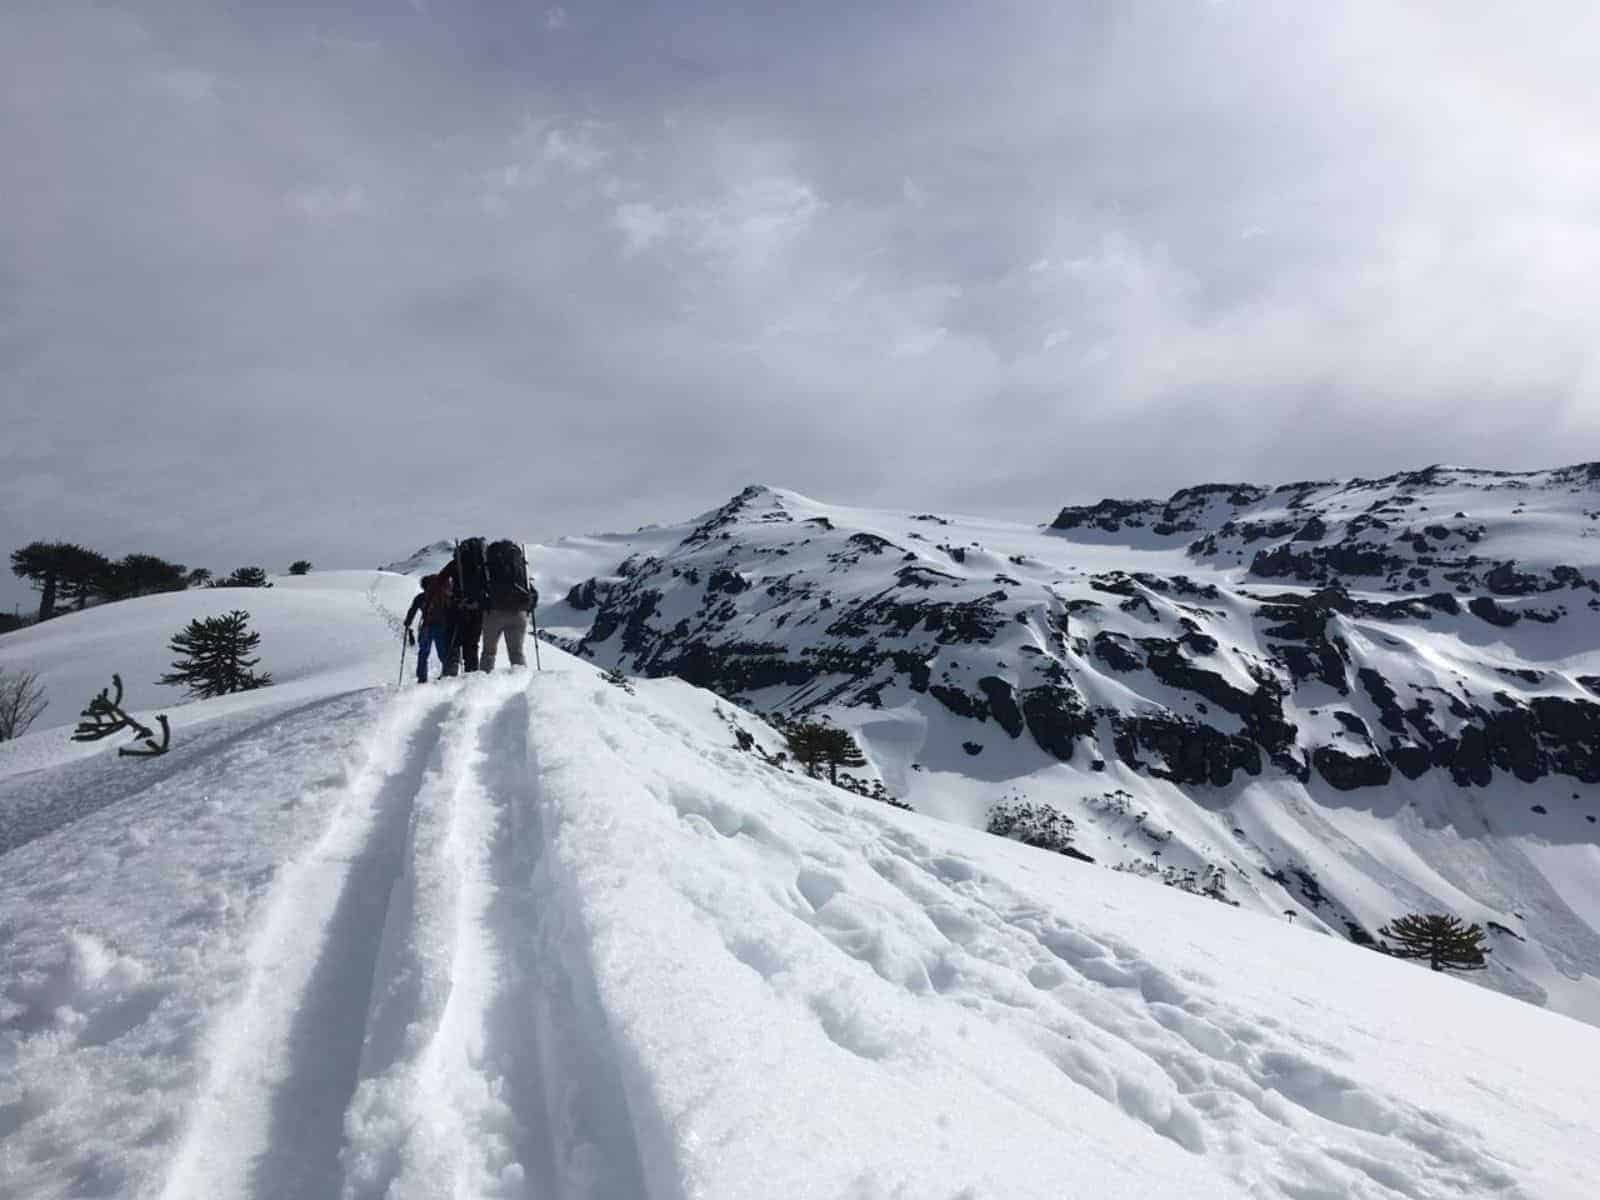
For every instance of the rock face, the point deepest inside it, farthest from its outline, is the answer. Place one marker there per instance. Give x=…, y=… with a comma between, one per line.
x=1348, y=632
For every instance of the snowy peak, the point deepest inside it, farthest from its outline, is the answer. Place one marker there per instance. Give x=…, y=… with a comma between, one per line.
x=1168, y=704
x=1449, y=528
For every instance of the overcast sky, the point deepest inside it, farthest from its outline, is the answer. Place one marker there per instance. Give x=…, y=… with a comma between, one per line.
x=333, y=280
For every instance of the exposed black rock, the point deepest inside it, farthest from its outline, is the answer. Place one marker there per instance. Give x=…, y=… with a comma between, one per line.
x=1190, y=752
x=1056, y=718
x=1002, y=704
x=1347, y=772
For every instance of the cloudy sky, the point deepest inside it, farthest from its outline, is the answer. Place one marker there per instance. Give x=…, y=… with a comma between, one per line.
x=336, y=279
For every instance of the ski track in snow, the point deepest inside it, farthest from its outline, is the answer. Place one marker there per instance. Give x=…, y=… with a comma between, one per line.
x=558, y=941
x=416, y=1022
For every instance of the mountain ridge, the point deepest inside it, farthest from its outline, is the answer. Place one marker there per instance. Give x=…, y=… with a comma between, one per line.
x=1168, y=701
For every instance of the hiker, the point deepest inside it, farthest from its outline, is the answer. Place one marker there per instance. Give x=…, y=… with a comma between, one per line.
x=468, y=594
x=432, y=604
x=510, y=600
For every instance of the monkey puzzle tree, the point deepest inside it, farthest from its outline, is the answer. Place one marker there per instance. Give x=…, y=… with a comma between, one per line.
x=1443, y=940
x=214, y=656
x=300, y=566
x=46, y=565
x=815, y=744
x=81, y=572
x=252, y=577
x=141, y=575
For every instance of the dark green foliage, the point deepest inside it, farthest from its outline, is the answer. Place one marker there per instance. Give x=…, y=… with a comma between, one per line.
x=56, y=569
x=69, y=572
x=815, y=745
x=617, y=678
x=1443, y=940
x=1038, y=825
x=300, y=566
x=199, y=577
x=140, y=575
x=214, y=657
x=252, y=577
x=105, y=716
x=81, y=572
x=22, y=699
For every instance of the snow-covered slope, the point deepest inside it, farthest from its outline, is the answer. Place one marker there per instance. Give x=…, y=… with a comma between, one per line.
x=535, y=935
x=1342, y=747
x=316, y=635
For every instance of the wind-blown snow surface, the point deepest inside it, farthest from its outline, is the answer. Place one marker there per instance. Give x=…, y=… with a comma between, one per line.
x=1224, y=731
x=532, y=935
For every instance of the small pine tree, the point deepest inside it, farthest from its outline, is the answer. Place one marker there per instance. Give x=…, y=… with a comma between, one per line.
x=1443, y=940
x=214, y=657
x=300, y=566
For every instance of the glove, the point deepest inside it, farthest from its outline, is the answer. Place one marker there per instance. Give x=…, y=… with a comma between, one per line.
x=411, y=638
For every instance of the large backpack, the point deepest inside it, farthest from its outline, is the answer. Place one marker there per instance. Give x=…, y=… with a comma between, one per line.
x=435, y=598
x=508, y=576
x=474, y=574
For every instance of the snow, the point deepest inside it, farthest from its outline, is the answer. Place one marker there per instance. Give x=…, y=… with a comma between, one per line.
x=1438, y=845
x=317, y=637
x=535, y=935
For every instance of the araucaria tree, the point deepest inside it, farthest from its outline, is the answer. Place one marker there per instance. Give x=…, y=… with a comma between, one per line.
x=245, y=577
x=214, y=656
x=141, y=575
x=1443, y=940
x=815, y=745
x=58, y=570
x=300, y=566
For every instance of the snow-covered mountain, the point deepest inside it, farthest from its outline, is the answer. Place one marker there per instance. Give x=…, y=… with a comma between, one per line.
x=542, y=935
x=1335, y=701
x=533, y=935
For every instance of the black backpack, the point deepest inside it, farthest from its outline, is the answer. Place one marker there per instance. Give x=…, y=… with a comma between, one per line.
x=474, y=573
x=508, y=576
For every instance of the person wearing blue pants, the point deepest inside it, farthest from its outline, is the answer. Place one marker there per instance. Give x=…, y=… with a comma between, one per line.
x=432, y=604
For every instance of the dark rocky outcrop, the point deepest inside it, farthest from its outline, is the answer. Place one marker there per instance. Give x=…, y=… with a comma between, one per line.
x=1189, y=752
x=1002, y=704
x=1347, y=771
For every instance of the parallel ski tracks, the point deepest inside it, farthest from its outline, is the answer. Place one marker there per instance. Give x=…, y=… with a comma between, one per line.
x=416, y=1019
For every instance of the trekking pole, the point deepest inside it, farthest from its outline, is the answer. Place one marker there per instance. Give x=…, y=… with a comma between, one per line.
x=400, y=682
x=533, y=609
x=457, y=615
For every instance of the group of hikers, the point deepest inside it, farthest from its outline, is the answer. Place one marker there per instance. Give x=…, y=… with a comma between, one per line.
x=482, y=595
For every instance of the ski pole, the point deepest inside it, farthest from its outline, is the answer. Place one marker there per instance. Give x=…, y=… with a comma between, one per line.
x=400, y=682
x=533, y=609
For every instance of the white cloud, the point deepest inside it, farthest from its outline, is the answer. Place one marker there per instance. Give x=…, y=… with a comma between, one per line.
x=642, y=225
x=329, y=203
x=1166, y=243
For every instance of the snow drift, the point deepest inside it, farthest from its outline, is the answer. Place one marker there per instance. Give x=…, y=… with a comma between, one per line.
x=536, y=935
